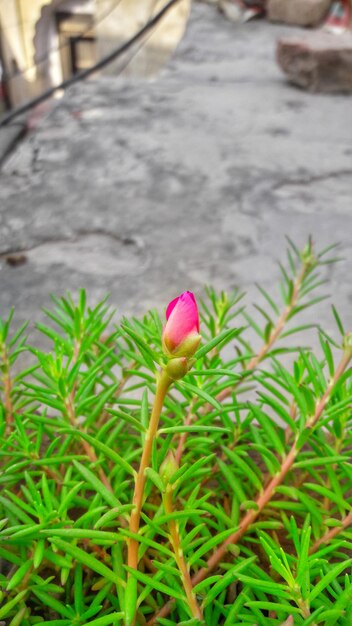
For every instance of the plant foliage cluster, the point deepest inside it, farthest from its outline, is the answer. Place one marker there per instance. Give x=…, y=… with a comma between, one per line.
x=258, y=507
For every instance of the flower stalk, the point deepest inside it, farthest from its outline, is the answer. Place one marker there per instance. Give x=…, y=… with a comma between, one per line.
x=163, y=385
x=161, y=391
x=179, y=556
x=180, y=341
x=170, y=466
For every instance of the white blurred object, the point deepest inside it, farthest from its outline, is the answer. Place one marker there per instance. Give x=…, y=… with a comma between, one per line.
x=242, y=10
x=232, y=9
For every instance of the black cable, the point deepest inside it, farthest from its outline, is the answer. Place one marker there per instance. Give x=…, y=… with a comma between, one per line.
x=85, y=73
x=46, y=57
x=123, y=66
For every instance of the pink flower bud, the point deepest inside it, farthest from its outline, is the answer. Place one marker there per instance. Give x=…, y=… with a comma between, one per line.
x=181, y=333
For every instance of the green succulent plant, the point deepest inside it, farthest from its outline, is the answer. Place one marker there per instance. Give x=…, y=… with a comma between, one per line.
x=245, y=502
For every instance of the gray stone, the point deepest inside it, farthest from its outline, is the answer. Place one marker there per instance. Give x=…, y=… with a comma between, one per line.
x=318, y=61
x=298, y=12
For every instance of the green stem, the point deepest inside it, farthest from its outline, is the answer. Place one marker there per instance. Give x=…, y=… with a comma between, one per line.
x=179, y=557
x=163, y=385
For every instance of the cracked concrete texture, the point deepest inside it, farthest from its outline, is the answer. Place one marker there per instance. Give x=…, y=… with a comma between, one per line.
x=145, y=189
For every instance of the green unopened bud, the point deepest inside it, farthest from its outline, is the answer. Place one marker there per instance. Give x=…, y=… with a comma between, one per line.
x=177, y=368
x=168, y=468
x=308, y=256
x=347, y=343
x=189, y=346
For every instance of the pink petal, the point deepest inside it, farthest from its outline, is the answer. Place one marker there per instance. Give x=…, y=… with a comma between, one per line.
x=171, y=306
x=185, y=296
x=182, y=320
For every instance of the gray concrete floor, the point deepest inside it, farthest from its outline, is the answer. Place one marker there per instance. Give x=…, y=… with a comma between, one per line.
x=144, y=189
x=9, y=136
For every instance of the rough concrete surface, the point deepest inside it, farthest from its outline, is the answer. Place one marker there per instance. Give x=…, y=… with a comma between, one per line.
x=145, y=189
x=9, y=136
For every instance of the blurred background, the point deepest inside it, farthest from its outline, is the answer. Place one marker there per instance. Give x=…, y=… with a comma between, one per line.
x=148, y=147
x=44, y=43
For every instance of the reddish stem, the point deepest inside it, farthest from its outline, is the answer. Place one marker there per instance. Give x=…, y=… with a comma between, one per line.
x=333, y=532
x=7, y=391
